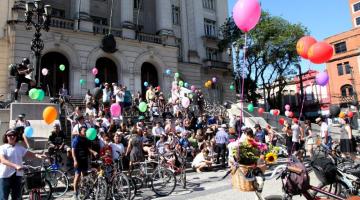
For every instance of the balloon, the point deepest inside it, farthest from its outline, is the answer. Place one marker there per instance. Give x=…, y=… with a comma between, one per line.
x=82, y=81
x=261, y=111
x=291, y=114
x=146, y=84
x=50, y=114
x=29, y=131
x=32, y=93
x=168, y=71
x=250, y=107
x=41, y=95
x=177, y=75
x=181, y=83
x=193, y=88
x=214, y=79
x=281, y=121
x=142, y=106
x=303, y=46
x=185, y=102
x=62, y=67
x=91, y=134
x=186, y=84
x=115, y=110
x=97, y=81
x=97, y=93
x=232, y=87
x=95, y=71
x=246, y=14
x=287, y=107
x=334, y=110
x=322, y=78
x=342, y=115
x=44, y=71
x=350, y=114
x=320, y=52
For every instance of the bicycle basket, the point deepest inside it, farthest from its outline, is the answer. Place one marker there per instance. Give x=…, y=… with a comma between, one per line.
x=35, y=180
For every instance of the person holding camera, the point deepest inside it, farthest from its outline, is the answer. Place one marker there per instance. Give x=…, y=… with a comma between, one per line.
x=23, y=70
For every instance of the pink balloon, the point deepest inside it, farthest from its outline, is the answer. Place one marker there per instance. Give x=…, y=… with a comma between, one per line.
x=246, y=14
x=95, y=71
x=287, y=107
x=193, y=88
x=185, y=102
x=115, y=110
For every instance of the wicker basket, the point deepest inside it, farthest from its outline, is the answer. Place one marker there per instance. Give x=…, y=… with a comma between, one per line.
x=238, y=180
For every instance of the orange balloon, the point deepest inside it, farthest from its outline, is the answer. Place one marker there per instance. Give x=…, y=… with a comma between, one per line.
x=320, y=52
x=303, y=46
x=50, y=114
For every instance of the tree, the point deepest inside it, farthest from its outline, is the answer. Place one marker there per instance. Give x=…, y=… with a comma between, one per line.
x=270, y=53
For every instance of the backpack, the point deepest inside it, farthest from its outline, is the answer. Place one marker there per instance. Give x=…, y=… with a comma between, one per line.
x=325, y=170
x=294, y=183
x=13, y=70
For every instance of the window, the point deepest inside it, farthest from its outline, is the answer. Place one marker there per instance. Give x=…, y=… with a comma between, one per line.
x=99, y=20
x=211, y=54
x=347, y=90
x=340, y=47
x=340, y=69
x=137, y=4
x=357, y=21
x=209, y=4
x=210, y=28
x=356, y=7
x=347, y=68
x=58, y=13
x=175, y=15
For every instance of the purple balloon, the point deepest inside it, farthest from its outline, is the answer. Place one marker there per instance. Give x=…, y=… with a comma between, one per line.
x=246, y=14
x=322, y=78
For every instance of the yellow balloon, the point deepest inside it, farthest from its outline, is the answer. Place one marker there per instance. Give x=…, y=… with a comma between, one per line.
x=50, y=114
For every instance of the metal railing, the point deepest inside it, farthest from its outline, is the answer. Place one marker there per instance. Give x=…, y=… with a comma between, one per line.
x=62, y=23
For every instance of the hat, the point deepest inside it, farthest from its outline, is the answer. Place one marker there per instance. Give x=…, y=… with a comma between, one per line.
x=317, y=120
x=257, y=126
x=21, y=115
x=223, y=126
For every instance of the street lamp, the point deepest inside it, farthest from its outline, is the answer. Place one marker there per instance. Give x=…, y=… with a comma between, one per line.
x=41, y=21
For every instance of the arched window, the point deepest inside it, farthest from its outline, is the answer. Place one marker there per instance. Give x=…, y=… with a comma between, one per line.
x=347, y=90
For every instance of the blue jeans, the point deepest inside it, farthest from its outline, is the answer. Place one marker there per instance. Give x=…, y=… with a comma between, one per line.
x=11, y=184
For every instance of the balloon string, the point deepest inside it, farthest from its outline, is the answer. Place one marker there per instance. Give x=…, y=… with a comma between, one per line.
x=243, y=76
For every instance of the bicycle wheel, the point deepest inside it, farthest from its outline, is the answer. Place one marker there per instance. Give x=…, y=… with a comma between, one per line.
x=163, y=182
x=85, y=187
x=101, y=188
x=120, y=188
x=59, y=182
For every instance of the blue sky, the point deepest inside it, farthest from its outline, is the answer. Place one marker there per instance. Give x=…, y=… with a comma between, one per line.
x=323, y=18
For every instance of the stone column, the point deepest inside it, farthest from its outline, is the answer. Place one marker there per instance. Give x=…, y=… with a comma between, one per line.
x=84, y=22
x=163, y=17
x=127, y=18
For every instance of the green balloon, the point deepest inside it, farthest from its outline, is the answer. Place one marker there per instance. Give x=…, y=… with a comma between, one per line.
x=32, y=93
x=41, y=95
x=82, y=81
x=181, y=83
x=177, y=75
x=232, y=87
x=142, y=107
x=62, y=67
x=91, y=134
x=251, y=107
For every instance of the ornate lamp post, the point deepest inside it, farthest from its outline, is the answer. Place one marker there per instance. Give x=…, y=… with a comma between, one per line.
x=41, y=20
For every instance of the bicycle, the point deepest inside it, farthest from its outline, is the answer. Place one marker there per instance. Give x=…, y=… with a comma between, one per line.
x=162, y=180
x=36, y=184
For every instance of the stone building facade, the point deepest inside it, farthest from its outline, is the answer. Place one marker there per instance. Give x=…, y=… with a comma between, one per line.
x=151, y=36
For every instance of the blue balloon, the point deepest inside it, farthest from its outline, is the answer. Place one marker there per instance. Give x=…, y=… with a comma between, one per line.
x=168, y=71
x=146, y=84
x=186, y=84
x=97, y=81
x=29, y=131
